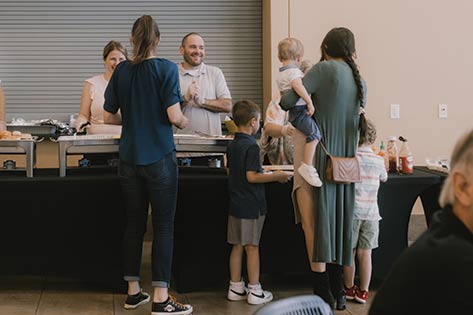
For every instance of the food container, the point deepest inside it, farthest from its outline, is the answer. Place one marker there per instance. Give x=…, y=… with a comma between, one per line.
x=34, y=129
x=231, y=126
x=9, y=165
x=215, y=163
x=21, y=146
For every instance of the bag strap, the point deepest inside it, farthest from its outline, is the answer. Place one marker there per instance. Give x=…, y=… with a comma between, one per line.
x=322, y=138
x=323, y=147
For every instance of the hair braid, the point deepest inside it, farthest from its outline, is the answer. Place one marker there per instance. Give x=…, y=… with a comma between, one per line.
x=356, y=75
x=362, y=125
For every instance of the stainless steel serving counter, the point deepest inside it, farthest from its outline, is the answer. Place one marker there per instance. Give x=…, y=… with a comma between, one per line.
x=194, y=143
x=69, y=145
x=27, y=147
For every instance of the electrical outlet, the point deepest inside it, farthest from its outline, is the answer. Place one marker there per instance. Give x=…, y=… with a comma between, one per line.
x=395, y=111
x=443, y=111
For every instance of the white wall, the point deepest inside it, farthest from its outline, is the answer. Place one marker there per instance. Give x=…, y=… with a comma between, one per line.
x=413, y=53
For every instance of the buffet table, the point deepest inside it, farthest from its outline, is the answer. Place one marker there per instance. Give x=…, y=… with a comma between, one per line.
x=201, y=251
x=102, y=143
x=26, y=147
x=74, y=226
x=70, y=226
x=430, y=196
x=396, y=199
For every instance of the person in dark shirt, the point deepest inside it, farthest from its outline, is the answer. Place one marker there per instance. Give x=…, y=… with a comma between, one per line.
x=146, y=91
x=247, y=204
x=435, y=275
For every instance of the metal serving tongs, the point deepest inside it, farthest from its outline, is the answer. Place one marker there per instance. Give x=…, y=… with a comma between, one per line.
x=74, y=132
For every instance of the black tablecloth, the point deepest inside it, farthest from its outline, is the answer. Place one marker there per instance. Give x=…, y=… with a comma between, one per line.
x=396, y=199
x=74, y=226
x=430, y=196
x=201, y=253
x=62, y=226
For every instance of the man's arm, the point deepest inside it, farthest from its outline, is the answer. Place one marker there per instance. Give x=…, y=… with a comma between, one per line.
x=192, y=91
x=223, y=105
x=222, y=102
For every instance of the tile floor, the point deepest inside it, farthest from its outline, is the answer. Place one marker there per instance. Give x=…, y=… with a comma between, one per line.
x=29, y=295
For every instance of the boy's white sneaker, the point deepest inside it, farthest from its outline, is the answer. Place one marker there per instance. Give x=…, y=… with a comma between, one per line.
x=257, y=295
x=237, y=291
x=310, y=175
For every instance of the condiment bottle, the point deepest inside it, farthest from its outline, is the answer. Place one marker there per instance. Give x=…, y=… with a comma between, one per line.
x=393, y=155
x=382, y=153
x=405, y=157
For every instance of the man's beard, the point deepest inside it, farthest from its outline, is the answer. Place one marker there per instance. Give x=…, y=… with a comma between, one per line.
x=189, y=60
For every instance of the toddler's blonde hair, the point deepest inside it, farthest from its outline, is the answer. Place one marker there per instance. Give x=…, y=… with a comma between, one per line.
x=290, y=49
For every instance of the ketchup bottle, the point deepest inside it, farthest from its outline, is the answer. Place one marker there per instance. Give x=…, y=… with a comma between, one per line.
x=406, y=160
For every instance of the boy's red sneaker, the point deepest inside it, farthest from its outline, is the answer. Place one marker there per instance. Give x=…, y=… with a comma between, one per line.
x=361, y=296
x=351, y=292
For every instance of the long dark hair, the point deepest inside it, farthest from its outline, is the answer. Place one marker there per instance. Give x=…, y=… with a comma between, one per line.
x=145, y=36
x=340, y=43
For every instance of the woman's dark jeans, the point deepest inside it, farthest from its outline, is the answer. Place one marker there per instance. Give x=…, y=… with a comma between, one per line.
x=141, y=185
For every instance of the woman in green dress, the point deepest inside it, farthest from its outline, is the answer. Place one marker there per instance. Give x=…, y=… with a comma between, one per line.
x=337, y=91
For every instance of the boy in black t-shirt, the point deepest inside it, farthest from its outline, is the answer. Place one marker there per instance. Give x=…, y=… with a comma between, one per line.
x=247, y=204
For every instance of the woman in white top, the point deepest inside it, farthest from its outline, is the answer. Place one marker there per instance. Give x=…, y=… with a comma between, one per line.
x=276, y=138
x=91, y=106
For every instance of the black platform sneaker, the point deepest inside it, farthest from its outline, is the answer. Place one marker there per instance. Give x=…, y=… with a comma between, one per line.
x=133, y=301
x=171, y=306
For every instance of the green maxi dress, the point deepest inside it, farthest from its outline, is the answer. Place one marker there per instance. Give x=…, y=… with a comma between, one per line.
x=334, y=94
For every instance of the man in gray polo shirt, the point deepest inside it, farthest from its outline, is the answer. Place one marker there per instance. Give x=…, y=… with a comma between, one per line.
x=204, y=89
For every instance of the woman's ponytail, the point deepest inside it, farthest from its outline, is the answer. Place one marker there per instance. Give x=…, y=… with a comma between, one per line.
x=145, y=36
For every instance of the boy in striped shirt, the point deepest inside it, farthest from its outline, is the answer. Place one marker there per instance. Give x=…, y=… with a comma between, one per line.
x=366, y=215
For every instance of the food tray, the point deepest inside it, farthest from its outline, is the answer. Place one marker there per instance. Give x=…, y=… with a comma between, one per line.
x=25, y=146
x=34, y=129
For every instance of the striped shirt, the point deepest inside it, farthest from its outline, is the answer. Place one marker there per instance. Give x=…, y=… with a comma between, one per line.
x=372, y=171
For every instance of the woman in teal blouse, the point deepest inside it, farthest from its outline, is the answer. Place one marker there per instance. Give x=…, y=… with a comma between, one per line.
x=337, y=91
